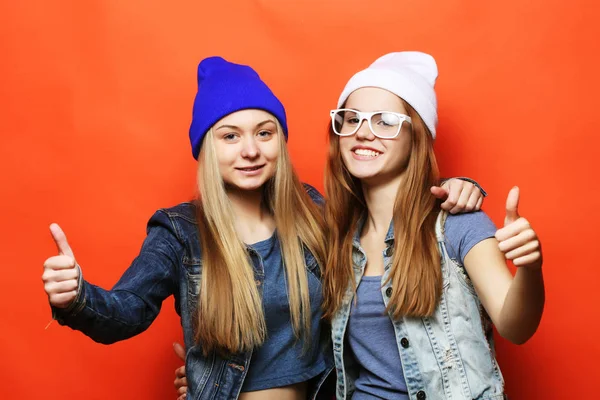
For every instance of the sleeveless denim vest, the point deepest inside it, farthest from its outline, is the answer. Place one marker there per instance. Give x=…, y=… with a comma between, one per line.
x=449, y=355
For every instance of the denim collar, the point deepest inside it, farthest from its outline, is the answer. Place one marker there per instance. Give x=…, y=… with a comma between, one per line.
x=389, y=237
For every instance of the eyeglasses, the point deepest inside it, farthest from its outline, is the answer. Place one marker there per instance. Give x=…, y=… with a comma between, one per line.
x=383, y=124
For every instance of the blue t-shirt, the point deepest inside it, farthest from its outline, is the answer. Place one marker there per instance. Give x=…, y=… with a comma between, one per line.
x=280, y=361
x=372, y=341
x=463, y=231
x=371, y=336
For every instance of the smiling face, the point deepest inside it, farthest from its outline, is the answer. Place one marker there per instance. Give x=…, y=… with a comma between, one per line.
x=246, y=145
x=371, y=159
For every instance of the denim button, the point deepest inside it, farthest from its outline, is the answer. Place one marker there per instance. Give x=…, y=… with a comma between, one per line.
x=404, y=342
x=388, y=292
x=389, y=251
x=421, y=395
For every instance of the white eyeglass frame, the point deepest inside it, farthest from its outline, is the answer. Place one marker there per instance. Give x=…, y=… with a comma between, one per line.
x=362, y=115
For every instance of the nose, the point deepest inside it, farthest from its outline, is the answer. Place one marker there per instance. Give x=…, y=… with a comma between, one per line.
x=250, y=148
x=364, y=131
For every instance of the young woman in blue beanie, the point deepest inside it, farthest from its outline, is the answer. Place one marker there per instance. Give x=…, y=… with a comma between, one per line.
x=251, y=322
x=243, y=261
x=412, y=292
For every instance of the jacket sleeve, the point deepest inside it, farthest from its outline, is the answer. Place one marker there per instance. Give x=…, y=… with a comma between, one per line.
x=108, y=316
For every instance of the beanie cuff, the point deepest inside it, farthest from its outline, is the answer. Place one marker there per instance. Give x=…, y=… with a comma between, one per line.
x=399, y=84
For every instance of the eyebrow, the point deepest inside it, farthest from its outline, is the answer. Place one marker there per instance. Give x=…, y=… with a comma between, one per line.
x=237, y=127
x=356, y=109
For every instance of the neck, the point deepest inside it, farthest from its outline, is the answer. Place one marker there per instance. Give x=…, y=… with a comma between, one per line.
x=380, y=199
x=252, y=220
x=246, y=204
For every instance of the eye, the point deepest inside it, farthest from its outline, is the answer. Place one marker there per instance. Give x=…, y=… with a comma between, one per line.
x=230, y=137
x=351, y=118
x=265, y=133
x=388, y=119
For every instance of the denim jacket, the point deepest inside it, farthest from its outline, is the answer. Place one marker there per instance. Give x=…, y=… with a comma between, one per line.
x=170, y=263
x=449, y=355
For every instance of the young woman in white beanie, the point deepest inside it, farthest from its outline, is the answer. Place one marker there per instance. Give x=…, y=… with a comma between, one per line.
x=411, y=291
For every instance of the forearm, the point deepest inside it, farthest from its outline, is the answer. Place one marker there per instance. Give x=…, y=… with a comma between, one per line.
x=107, y=316
x=523, y=306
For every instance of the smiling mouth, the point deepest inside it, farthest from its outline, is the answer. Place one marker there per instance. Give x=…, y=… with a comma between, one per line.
x=250, y=169
x=366, y=153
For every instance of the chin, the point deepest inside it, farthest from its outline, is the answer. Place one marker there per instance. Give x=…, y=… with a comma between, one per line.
x=365, y=178
x=363, y=172
x=249, y=186
x=250, y=183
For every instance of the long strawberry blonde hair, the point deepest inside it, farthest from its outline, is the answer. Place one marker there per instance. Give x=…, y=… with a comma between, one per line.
x=415, y=273
x=230, y=312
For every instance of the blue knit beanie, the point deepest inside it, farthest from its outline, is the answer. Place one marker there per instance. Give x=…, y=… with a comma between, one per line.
x=224, y=88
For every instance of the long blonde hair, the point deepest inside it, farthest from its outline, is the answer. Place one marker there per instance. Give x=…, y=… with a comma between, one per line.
x=230, y=312
x=415, y=274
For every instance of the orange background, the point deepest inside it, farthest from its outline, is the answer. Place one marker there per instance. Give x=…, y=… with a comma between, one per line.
x=95, y=105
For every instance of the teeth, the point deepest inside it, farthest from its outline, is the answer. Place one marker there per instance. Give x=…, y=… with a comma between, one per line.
x=366, y=152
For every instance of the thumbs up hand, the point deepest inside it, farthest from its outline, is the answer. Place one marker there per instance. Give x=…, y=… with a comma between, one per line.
x=61, y=272
x=517, y=240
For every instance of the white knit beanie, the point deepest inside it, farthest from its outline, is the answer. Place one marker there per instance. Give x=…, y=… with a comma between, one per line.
x=410, y=75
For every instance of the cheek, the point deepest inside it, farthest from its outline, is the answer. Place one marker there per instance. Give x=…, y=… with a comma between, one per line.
x=345, y=143
x=271, y=150
x=226, y=154
x=401, y=150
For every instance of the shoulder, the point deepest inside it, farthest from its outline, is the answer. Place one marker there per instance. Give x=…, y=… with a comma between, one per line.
x=470, y=219
x=473, y=224
x=314, y=194
x=463, y=231
x=182, y=211
x=180, y=220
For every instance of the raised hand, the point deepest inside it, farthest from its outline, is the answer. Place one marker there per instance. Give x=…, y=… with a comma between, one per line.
x=61, y=272
x=517, y=240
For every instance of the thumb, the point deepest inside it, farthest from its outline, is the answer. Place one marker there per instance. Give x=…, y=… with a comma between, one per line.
x=179, y=350
x=439, y=192
x=61, y=241
x=512, y=206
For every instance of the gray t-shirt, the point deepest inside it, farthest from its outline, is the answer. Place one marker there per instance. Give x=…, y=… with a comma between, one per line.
x=371, y=337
